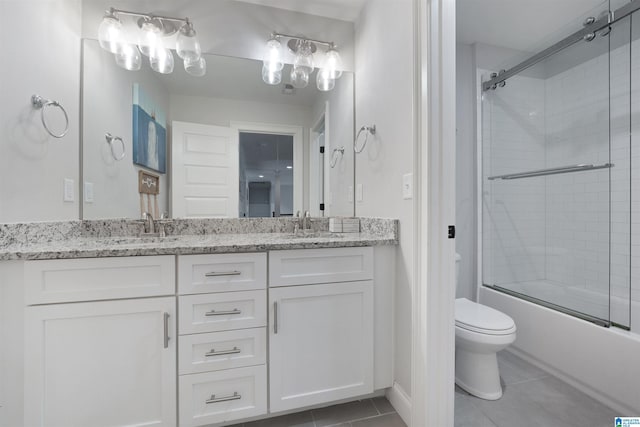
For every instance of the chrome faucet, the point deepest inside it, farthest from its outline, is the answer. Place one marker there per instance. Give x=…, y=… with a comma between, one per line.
x=296, y=226
x=164, y=218
x=306, y=221
x=149, y=225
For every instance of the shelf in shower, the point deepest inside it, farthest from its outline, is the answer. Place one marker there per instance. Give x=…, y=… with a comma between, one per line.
x=551, y=171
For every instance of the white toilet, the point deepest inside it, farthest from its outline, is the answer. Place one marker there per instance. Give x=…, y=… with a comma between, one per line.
x=481, y=332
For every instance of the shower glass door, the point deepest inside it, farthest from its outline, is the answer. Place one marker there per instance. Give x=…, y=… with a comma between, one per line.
x=556, y=180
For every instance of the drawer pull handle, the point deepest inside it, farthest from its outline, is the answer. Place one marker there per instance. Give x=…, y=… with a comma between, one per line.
x=215, y=399
x=275, y=317
x=222, y=273
x=213, y=352
x=223, y=313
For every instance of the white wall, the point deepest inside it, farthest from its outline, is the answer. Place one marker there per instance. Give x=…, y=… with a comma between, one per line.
x=338, y=133
x=466, y=172
x=40, y=41
x=384, y=97
x=108, y=99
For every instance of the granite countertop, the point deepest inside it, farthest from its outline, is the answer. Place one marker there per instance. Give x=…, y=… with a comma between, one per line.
x=92, y=240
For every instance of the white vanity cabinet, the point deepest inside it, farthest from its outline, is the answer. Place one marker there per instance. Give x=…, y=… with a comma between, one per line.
x=321, y=335
x=100, y=363
x=222, y=343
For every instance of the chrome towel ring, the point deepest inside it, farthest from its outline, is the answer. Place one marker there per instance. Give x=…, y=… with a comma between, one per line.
x=335, y=157
x=370, y=130
x=110, y=140
x=40, y=103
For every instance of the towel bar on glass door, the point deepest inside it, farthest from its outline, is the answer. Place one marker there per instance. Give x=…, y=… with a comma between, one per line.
x=551, y=171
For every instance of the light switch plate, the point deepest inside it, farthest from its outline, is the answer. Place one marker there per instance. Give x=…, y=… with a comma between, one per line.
x=407, y=186
x=88, y=192
x=69, y=191
x=359, y=193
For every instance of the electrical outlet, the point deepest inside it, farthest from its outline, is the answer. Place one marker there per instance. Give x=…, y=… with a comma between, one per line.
x=407, y=186
x=88, y=192
x=69, y=190
x=359, y=193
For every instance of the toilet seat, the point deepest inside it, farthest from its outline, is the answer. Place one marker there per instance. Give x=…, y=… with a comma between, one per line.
x=482, y=319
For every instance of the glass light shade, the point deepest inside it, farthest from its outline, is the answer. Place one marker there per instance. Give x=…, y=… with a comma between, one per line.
x=304, y=57
x=333, y=63
x=299, y=77
x=197, y=68
x=271, y=77
x=273, y=55
x=110, y=33
x=151, y=40
x=187, y=45
x=129, y=57
x=162, y=61
x=324, y=82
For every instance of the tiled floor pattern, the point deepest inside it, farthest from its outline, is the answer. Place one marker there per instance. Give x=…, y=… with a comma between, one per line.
x=532, y=398
x=376, y=412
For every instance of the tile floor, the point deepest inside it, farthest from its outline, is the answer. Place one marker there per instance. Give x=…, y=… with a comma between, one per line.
x=532, y=398
x=376, y=412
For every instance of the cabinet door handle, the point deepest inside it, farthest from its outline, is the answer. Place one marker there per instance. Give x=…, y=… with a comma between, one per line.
x=223, y=313
x=222, y=273
x=213, y=352
x=275, y=317
x=166, y=330
x=215, y=399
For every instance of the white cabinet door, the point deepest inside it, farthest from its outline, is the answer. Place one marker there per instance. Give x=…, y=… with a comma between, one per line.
x=101, y=364
x=204, y=171
x=321, y=343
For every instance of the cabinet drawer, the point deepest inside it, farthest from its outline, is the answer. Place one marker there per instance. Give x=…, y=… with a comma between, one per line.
x=222, y=312
x=221, y=273
x=222, y=350
x=315, y=266
x=90, y=279
x=216, y=397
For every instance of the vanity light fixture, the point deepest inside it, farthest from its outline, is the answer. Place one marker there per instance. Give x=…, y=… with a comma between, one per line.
x=303, y=50
x=153, y=30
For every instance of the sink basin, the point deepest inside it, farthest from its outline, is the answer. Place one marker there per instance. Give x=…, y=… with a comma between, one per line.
x=140, y=240
x=316, y=235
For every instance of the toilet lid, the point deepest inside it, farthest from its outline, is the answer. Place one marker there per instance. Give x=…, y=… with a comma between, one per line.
x=480, y=318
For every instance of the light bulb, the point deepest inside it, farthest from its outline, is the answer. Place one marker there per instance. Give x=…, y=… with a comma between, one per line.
x=197, y=68
x=333, y=63
x=187, y=45
x=273, y=55
x=162, y=61
x=151, y=40
x=324, y=82
x=110, y=33
x=271, y=77
x=299, y=77
x=129, y=57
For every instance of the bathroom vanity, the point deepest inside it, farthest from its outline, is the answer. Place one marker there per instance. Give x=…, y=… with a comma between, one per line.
x=192, y=330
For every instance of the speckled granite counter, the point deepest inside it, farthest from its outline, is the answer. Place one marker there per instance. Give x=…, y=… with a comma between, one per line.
x=85, y=239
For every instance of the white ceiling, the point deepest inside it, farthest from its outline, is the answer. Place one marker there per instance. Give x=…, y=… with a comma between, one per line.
x=520, y=24
x=345, y=10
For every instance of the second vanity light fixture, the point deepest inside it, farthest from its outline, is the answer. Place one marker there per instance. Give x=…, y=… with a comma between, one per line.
x=303, y=63
x=153, y=30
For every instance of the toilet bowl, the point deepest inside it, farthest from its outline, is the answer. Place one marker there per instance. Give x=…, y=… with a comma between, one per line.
x=481, y=332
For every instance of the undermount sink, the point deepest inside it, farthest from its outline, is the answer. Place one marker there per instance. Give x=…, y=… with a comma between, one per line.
x=316, y=235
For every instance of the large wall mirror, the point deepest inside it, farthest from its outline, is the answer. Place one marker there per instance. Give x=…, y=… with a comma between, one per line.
x=223, y=145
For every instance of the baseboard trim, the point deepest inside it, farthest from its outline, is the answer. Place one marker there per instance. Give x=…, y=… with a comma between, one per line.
x=401, y=402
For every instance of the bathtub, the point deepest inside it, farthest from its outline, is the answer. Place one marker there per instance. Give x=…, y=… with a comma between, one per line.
x=602, y=362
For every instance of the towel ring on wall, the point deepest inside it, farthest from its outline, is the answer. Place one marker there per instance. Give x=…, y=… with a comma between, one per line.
x=110, y=140
x=335, y=156
x=40, y=103
x=370, y=130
